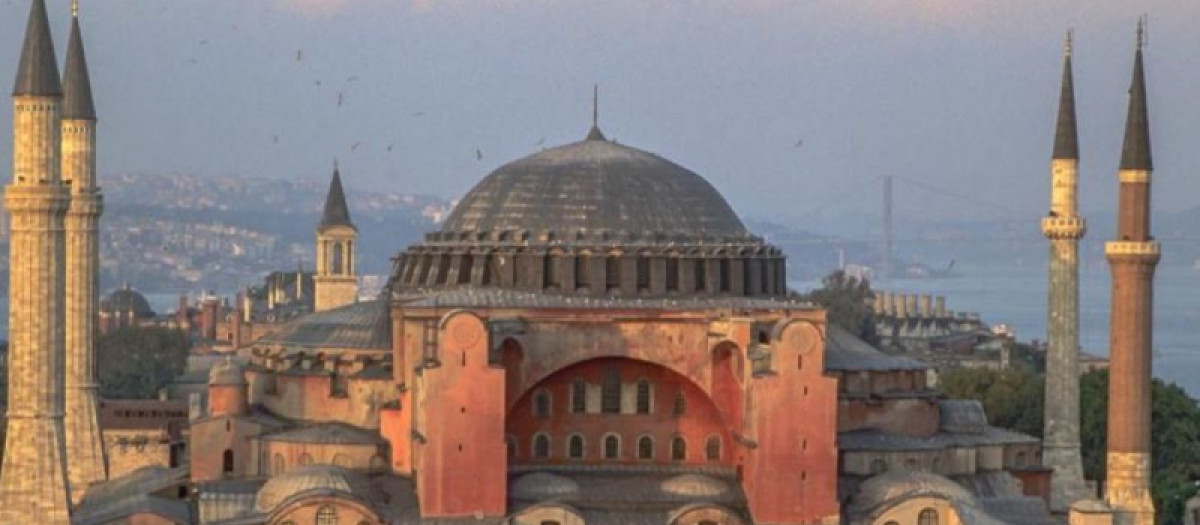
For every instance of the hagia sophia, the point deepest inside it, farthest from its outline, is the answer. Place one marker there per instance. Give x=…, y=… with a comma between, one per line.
x=592, y=336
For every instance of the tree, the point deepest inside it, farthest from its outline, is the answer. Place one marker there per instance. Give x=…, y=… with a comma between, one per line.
x=135, y=362
x=847, y=302
x=1011, y=398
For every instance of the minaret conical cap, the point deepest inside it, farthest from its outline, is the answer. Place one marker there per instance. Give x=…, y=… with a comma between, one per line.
x=336, y=211
x=77, y=84
x=1066, y=135
x=37, y=74
x=1135, y=154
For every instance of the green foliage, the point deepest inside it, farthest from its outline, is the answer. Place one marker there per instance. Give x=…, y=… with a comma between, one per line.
x=847, y=301
x=135, y=362
x=1013, y=399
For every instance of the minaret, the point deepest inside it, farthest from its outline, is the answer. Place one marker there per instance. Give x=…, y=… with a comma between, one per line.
x=1063, y=227
x=336, y=281
x=1132, y=257
x=33, y=479
x=85, y=449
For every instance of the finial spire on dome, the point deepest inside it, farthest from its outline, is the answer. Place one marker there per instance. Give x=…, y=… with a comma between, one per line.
x=595, y=133
x=37, y=72
x=74, y=8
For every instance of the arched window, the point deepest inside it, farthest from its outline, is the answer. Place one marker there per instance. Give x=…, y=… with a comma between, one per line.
x=610, y=397
x=680, y=404
x=645, y=447
x=541, y=403
x=643, y=397
x=327, y=516
x=277, y=464
x=541, y=446
x=612, y=272
x=550, y=271
x=583, y=271
x=643, y=271
x=464, y=269
x=578, y=396
x=443, y=268
x=672, y=274
x=724, y=275
x=712, y=448
x=575, y=447
x=927, y=517
x=878, y=466
x=678, y=449
x=336, y=264
x=612, y=447
x=227, y=461
x=701, y=275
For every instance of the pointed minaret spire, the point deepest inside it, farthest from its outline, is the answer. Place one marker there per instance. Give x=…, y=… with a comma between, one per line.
x=1066, y=136
x=1135, y=155
x=336, y=211
x=595, y=133
x=77, y=84
x=37, y=74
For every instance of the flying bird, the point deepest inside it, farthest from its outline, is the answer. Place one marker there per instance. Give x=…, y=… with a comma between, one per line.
x=356, y=145
x=478, y=155
x=418, y=114
x=798, y=144
x=352, y=79
x=299, y=53
x=340, y=98
x=390, y=146
x=540, y=141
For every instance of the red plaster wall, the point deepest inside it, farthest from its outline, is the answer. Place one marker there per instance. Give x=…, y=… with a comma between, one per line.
x=395, y=425
x=462, y=467
x=208, y=440
x=790, y=477
x=699, y=421
x=226, y=400
x=904, y=416
x=1034, y=482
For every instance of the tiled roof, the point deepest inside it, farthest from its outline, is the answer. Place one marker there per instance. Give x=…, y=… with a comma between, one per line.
x=360, y=325
x=844, y=351
x=498, y=298
x=328, y=433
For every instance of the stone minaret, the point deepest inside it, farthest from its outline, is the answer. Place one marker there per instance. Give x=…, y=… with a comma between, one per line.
x=85, y=449
x=33, y=479
x=1064, y=227
x=336, y=280
x=1132, y=257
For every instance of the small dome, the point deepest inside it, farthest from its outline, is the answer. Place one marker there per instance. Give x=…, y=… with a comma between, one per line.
x=694, y=486
x=126, y=300
x=595, y=185
x=543, y=485
x=314, y=477
x=227, y=373
x=962, y=416
x=902, y=484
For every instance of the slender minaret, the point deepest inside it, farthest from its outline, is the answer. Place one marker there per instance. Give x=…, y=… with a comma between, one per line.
x=1132, y=257
x=33, y=479
x=1063, y=227
x=85, y=449
x=336, y=282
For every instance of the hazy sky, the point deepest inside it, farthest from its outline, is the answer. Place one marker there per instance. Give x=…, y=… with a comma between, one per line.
x=959, y=94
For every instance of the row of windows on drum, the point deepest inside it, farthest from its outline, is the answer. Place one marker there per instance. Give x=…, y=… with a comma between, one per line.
x=611, y=447
x=610, y=397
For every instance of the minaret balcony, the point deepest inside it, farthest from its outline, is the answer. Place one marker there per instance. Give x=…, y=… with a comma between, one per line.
x=1132, y=248
x=1064, y=227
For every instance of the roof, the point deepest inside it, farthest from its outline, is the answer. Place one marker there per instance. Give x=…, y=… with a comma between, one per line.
x=284, y=487
x=227, y=372
x=37, y=73
x=846, y=352
x=1066, y=136
x=874, y=440
x=360, y=325
x=504, y=298
x=145, y=480
x=897, y=485
x=127, y=299
x=595, y=185
x=175, y=510
x=77, y=83
x=1135, y=154
x=337, y=213
x=328, y=434
x=962, y=416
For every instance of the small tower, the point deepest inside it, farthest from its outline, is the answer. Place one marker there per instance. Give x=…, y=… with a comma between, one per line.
x=1063, y=228
x=86, y=463
x=33, y=478
x=336, y=280
x=227, y=389
x=1132, y=257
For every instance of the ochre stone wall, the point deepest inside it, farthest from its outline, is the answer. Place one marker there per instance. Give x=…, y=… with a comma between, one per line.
x=129, y=450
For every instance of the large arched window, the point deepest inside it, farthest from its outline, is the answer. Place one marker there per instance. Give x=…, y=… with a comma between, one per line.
x=645, y=447
x=578, y=396
x=612, y=447
x=927, y=517
x=610, y=398
x=643, y=397
x=678, y=449
x=327, y=516
x=575, y=446
x=712, y=448
x=680, y=404
x=227, y=461
x=541, y=446
x=541, y=403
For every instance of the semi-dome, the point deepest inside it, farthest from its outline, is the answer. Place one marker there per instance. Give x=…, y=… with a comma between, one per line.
x=694, y=485
x=313, y=478
x=538, y=486
x=594, y=186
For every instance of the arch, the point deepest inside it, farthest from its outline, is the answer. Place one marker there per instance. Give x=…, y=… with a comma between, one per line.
x=645, y=447
x=583, y=270
x=701, y=274
x=610, y=395
x=542, y=403
x=678, y=449
x=612, y=272
x=541, y=446
x=612, y=446
x=680, y=406
x=227, y=461
x=712, y=448
x=928, y=516
x=547, y=513
x=644, y=397
x=550, y=276
x=575, y=446
x=327, y=515
x=578, y=396
x=672, y=277
x=704, y=513
x=336, y=259
x=643, y=271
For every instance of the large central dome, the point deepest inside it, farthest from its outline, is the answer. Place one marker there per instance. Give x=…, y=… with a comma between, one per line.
x=595, y=186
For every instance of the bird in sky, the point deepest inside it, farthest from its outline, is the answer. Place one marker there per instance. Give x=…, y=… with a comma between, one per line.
x=798, y=144
x=478, y=155
x=299, y=55
x=390, y=146
x=418, y=114
x=340, y=99
x=356, y=145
